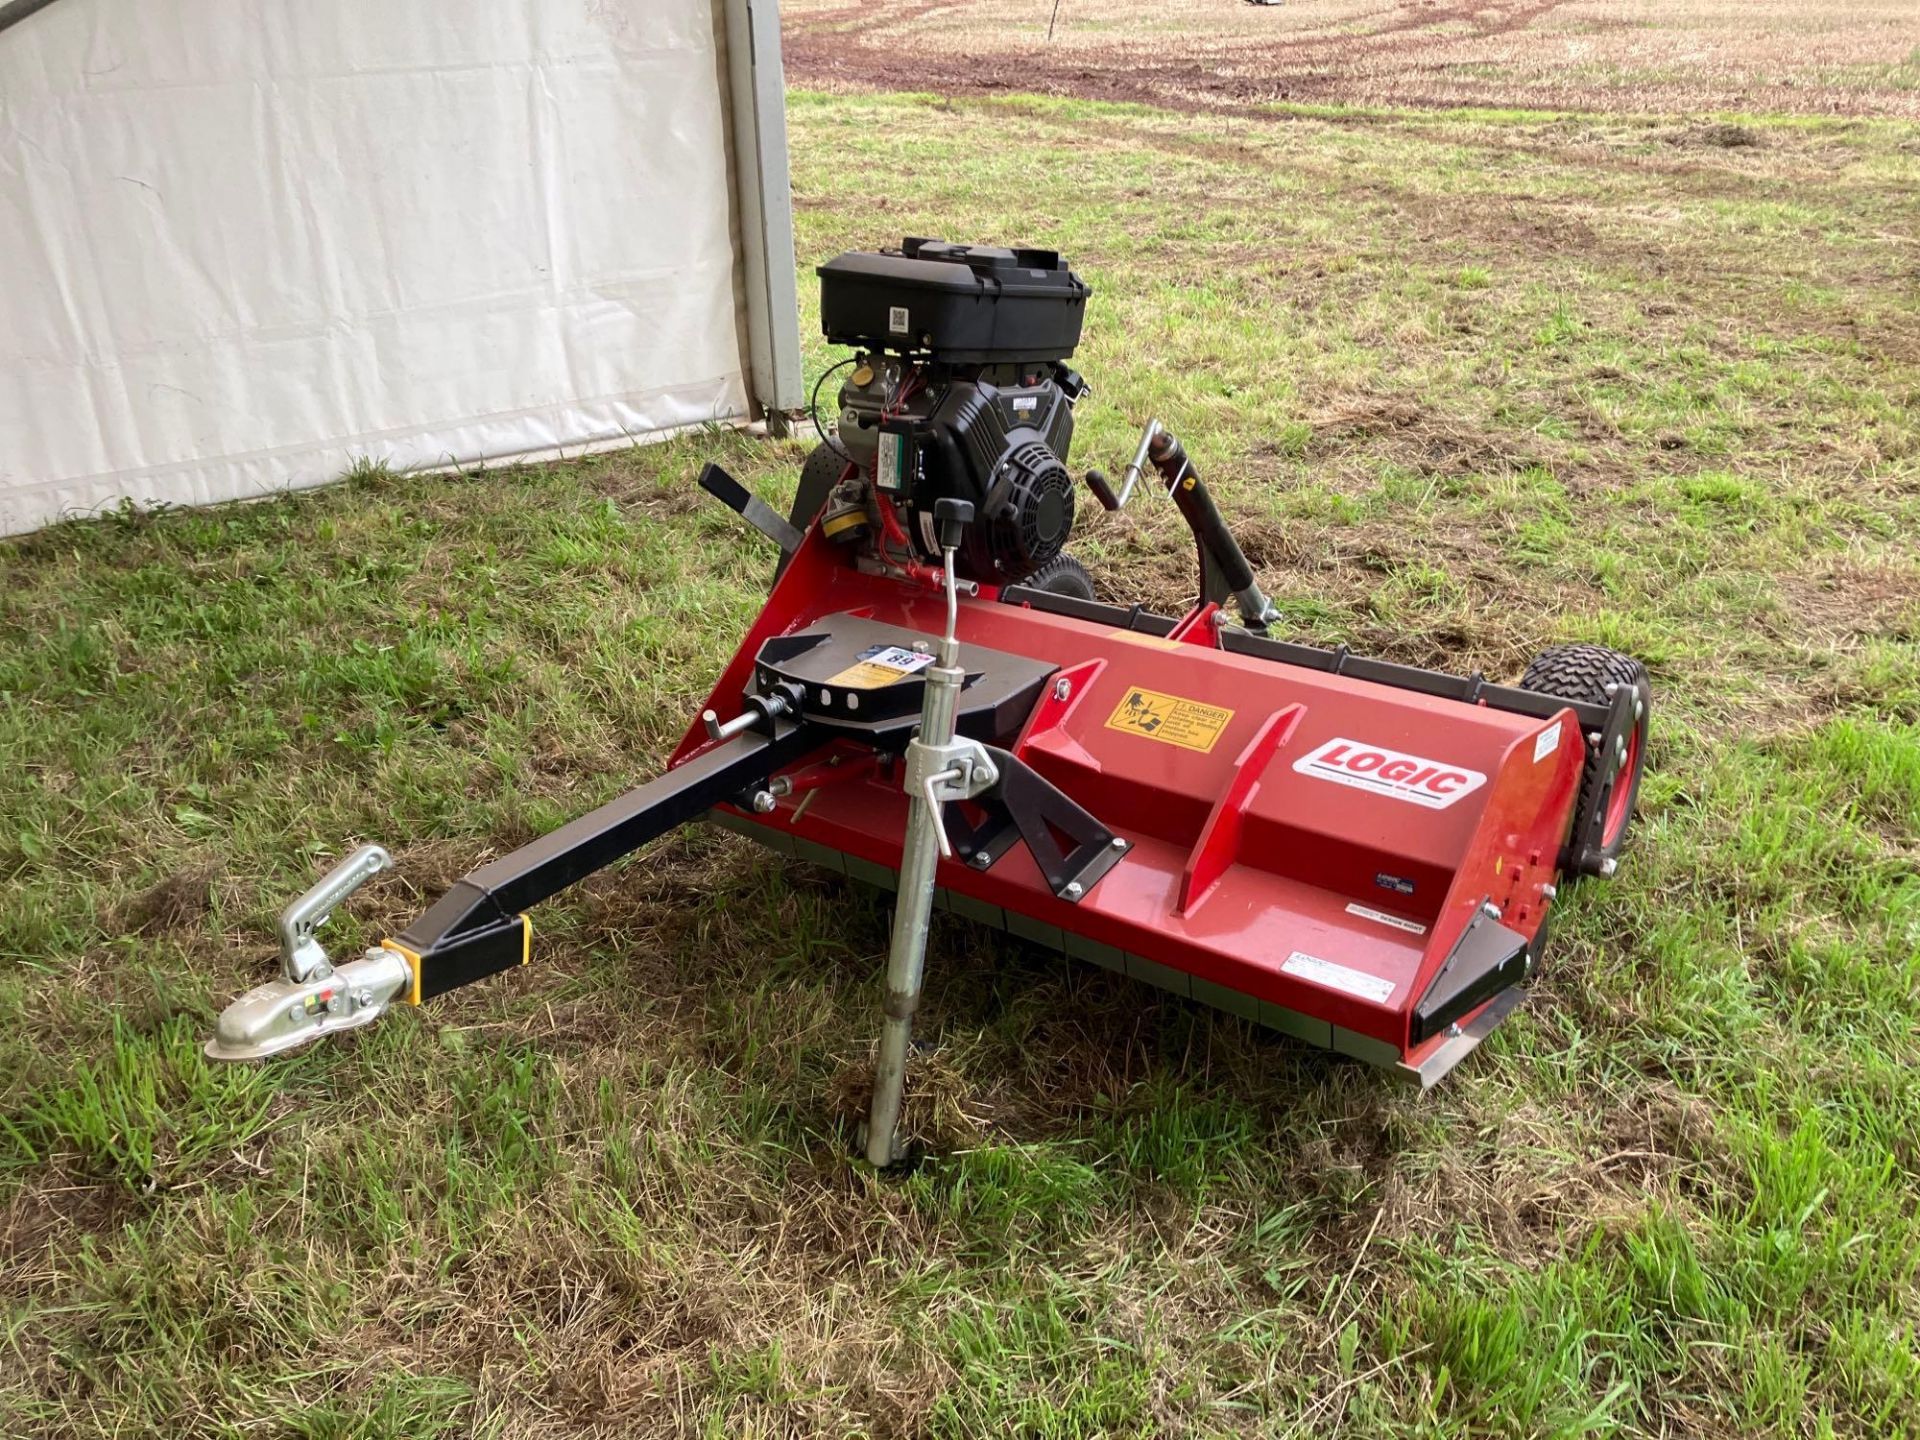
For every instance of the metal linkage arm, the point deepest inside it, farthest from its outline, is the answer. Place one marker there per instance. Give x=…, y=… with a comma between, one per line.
x=1224, y=569
x=479, y=928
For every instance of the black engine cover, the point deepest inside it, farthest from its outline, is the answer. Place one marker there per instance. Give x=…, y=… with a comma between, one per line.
x=1002, y=446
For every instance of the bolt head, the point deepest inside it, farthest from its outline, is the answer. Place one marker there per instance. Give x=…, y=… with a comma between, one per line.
x=1608, y=866
x=1118, y=843
x=1062, y=689
x=1074, y=890
x=763, y=802
x=981, y=860
x=981, y=774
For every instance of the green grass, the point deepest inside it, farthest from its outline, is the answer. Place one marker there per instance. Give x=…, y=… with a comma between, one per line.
x=1470, y=384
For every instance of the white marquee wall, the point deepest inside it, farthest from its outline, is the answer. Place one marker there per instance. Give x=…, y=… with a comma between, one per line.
x=245, y=242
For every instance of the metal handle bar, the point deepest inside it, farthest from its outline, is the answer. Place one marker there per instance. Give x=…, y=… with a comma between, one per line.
x=301, y=956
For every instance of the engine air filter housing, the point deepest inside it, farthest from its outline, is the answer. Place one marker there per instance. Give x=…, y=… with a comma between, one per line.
x=957, y=304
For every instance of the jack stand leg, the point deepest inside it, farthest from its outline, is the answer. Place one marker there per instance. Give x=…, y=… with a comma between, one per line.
x=906, y=969
x=938, y=769
x=913, y=908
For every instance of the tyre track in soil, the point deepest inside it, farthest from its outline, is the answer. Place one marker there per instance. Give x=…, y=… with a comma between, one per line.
x=871, y=46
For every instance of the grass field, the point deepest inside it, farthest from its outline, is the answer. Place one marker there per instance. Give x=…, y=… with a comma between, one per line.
x=1470, y=383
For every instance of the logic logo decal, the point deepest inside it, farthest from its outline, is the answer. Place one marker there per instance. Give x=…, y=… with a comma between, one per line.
x=1376, y=769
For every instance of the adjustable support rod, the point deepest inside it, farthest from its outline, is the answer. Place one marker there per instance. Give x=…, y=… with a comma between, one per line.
x=1224, y=569
x=934, y=774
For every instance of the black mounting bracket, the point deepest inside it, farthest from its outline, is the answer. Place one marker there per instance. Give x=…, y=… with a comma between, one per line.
x=1586, y=851
x=1024, y=805
x=1486, y=959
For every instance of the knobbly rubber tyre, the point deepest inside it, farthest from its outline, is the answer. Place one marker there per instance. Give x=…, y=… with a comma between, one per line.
x=1585, y=673
x=1062, y=575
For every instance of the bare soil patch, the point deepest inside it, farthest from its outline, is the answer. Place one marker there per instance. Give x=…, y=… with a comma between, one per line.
x=1631, y=56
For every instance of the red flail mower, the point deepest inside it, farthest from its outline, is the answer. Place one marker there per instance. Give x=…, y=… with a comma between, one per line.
x=1359, y=854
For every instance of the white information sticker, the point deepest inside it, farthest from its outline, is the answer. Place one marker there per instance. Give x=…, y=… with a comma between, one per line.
x=1546, y=742
x=897, y=320
x=1412, y=927
x=897, y=657
x=879, y=666
x=1338, y=977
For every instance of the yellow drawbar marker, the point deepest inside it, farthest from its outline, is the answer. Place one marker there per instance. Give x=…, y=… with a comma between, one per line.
x=413, y=964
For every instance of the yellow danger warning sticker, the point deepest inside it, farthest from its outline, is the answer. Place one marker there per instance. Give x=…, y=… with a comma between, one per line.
x=880, y=665
x=1169, y=718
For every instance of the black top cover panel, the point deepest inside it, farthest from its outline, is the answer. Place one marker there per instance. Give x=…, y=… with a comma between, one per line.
x=962, y=304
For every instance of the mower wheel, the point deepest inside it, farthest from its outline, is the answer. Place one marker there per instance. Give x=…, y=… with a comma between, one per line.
x=1062, y=575
x=1588, y=673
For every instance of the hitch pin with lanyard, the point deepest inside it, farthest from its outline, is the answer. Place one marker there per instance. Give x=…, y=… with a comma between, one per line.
x=1138, y=465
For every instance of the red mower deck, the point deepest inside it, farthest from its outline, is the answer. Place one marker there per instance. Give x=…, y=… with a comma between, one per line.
x=1306, y=850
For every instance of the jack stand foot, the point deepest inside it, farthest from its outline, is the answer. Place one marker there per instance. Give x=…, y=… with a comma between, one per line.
x=906, y=1160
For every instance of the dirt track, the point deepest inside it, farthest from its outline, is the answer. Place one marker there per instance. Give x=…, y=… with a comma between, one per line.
x=1792, y=56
